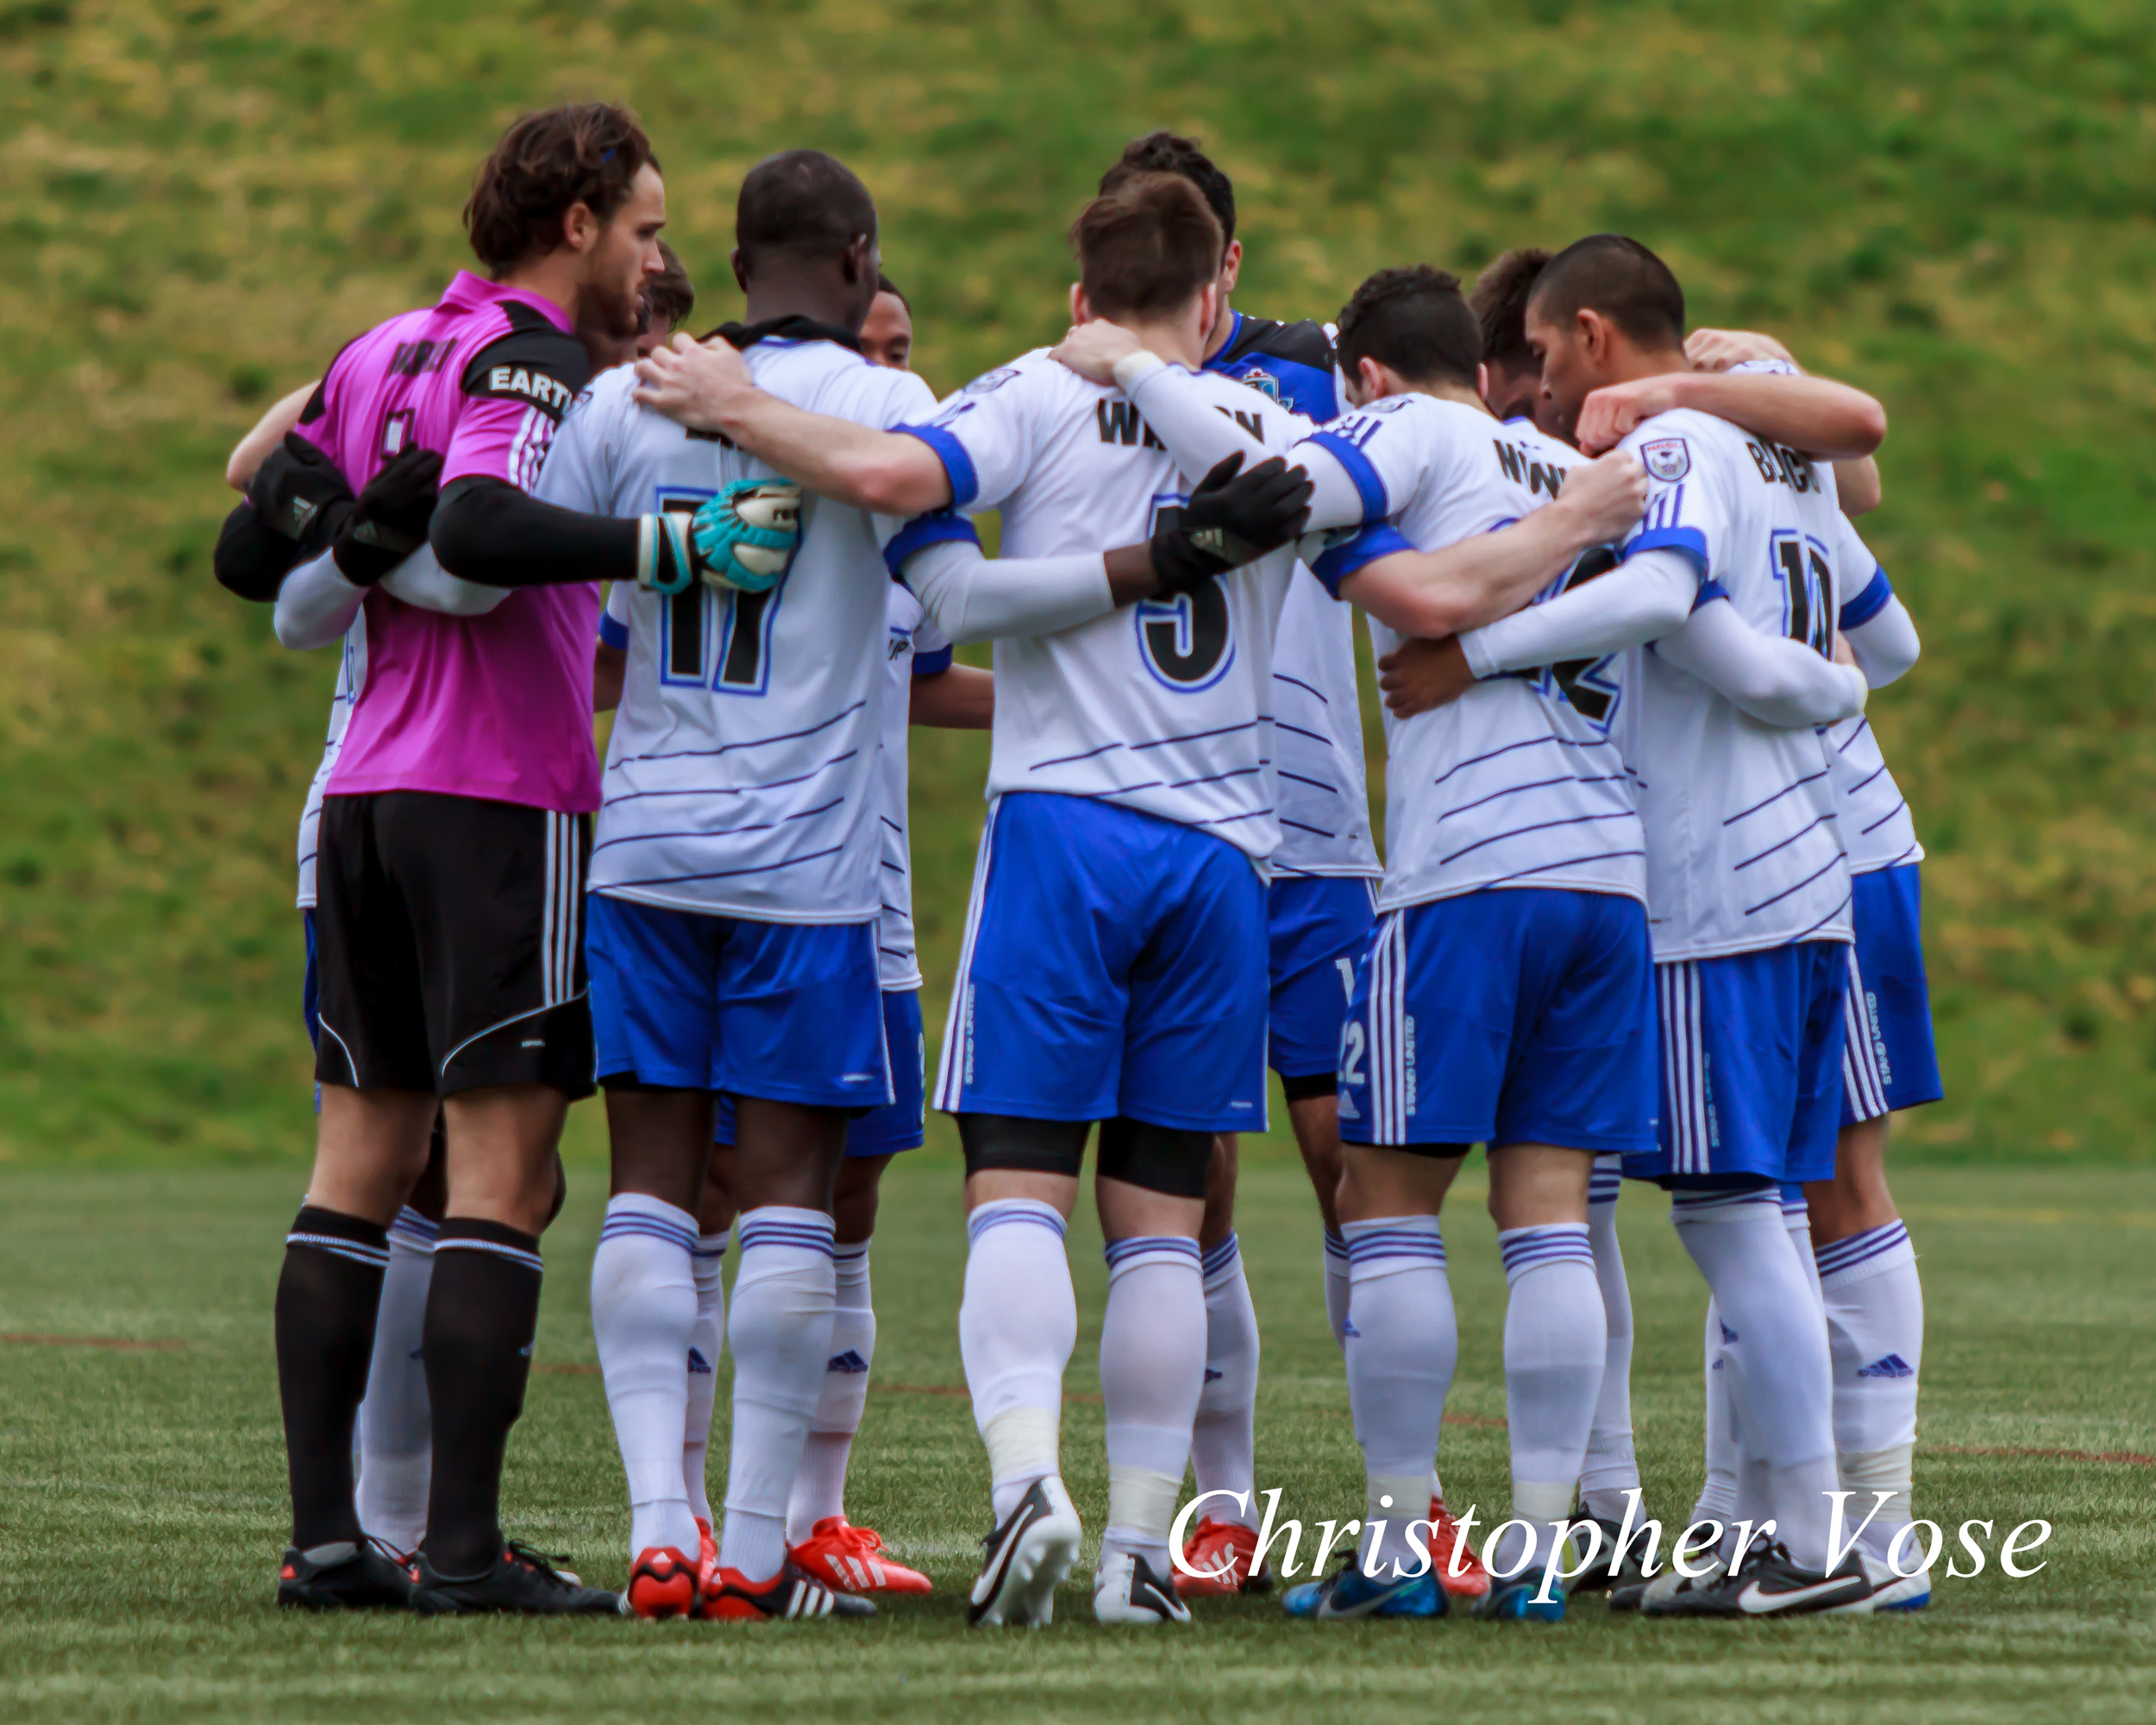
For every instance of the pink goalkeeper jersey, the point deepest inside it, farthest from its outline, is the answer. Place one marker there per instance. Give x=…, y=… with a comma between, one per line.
x=496, y=707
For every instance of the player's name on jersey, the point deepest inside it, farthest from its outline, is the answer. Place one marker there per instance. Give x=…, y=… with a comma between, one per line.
x=1121, y=423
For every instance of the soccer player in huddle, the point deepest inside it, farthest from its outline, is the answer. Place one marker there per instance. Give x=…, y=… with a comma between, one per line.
x=926, y=687
x=394, y=1456
x=1318, y=906
x=430, y=996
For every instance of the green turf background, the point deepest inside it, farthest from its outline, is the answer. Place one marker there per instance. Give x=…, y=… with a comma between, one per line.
x=1949, y=203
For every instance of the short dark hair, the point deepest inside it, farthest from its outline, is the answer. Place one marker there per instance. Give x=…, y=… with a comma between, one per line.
x=1499, y=301
x=588, y=152
x=1162, y=151
x=1619, y=278
x=670, y=294
x=1414, y=320
x=885, y=284
x=804, y=202
x=1148, y=248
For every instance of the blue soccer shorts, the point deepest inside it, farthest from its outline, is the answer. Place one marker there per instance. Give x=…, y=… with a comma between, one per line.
x=1318, y=927
x=787, y=1010
x=1114, y=965
x=899, y=1123
x=1752, y=1059
x=1516, y=1015
x=1891, y=1061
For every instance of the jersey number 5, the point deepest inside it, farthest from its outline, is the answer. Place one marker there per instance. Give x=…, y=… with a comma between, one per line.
x=1187, y=641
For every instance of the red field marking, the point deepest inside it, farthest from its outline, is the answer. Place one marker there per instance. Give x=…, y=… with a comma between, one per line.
x=118, y=1342
x=2119, y=1458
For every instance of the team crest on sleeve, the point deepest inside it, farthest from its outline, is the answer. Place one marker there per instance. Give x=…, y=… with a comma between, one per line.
x=991, y=380
x=1262, y=381
x=1666, y=459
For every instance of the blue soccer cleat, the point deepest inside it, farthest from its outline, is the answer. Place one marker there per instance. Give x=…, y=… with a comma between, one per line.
x=1347, y=1593
x=1514, y=1600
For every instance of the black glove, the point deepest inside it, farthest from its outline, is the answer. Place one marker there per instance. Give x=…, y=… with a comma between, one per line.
x=295, y=505
x=389, y=520
x=1233, y=518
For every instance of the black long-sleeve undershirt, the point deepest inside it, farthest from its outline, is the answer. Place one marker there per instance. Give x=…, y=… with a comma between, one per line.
x=487, y=530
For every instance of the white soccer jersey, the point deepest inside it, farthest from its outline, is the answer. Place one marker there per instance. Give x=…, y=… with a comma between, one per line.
x=1321, y=794
x=1744, y=848
x=351, y=678
x=1165, y=706
x=1521, y=781
x=917, y=647
x=1876, y=828
x=742, y=777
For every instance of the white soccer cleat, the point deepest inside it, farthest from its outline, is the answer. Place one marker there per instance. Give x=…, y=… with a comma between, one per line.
x=1024, y=1559
x=1641, y=1594
x=1125, y=1590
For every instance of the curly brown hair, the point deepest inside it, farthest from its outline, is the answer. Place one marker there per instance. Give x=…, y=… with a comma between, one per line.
x=551, y=160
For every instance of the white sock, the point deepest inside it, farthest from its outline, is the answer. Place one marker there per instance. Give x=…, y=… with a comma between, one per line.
x=1017, y=1324
x=1223, y=1440
x=1335, y=1287
x=707, y=1340
x=1556, y=1337
x=395, y=1430
x=1152, y=1370
x=1718, y=1495
x=781, y=1331
x=1403, y=1346
x=1796, y=1217
x=644, y=1306
x=1875, y=1327
x=1611, y=1469
x=819, y=1489
x=1786, y=1384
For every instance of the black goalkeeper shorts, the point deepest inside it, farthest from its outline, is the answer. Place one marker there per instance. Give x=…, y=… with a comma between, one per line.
x=449, y=933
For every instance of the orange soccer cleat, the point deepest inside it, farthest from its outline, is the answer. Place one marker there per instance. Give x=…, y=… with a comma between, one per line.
x=662, y=1583
x=1223, y=1550
x=1469, y=1580
x=729, y=1596
x=852, y=1560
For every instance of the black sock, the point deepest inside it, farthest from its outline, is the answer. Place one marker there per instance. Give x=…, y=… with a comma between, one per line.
x=482, y=1311
x=326, y=1301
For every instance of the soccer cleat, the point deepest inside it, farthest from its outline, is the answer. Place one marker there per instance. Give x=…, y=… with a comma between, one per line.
x=364, y=1576
x=1516, y=1601
x=1767, y=1584
x=1638, y=1595
x=520, y=1580
x=1022, y=1561
x=1128, y=1590
x=1596, y=1579
x=662, y=1583
x=1347, y=1593
x=1222, y=1551
x=1469, y=1580
x=852, y=1560
x=789, y=1594
x=1889, y=1591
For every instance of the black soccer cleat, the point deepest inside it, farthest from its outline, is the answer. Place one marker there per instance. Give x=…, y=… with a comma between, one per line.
x=1597, y=1577
x=1768, y=1583
x=727, y=1595
x=344, y=1577
x=521, y=1580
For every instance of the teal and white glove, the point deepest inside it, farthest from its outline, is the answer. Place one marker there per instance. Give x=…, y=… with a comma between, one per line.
x=746, y=535
x=742, y=540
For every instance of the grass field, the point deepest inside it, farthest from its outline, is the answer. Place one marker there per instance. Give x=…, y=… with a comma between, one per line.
x=142, y=1489
x=1949, y=201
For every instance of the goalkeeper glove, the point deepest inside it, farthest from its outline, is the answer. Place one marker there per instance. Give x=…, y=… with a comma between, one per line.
x=389, y=519
x=742, y=540
x=1233, y=518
